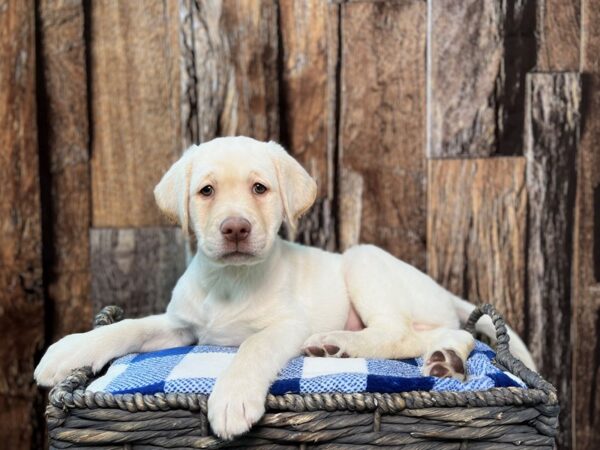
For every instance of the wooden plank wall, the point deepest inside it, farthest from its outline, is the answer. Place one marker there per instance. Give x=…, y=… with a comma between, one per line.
x=21, y=296
x=413, y=116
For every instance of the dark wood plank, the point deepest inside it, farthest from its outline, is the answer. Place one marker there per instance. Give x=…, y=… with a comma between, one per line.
x=382, y=127
x=479, y=52
x=559, y=30
x=136, y=108
x=309, y=52
x=551, y=142
x=136, y=268
x=21, y=298
x=64, y=150
x=231, y=82
x=476, y=231
x=586, y=260
x=520, y=50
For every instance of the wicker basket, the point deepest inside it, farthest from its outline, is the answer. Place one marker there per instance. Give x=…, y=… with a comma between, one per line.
x=493, y=419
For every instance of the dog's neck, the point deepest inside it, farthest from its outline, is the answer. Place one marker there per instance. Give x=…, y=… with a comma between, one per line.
x=242, y=279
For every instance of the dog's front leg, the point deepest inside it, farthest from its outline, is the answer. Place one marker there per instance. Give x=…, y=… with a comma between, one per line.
x=238, y=398
x=95, y=348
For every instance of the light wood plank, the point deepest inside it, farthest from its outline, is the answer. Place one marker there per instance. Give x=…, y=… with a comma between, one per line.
x=382, y=126
x=233, y=78
x=476, y=231
x=135, y=104
x=551, y=142
x=309, y=49
x=21, y=298
x=463, y=77
x=136, y=268
x=559, y=31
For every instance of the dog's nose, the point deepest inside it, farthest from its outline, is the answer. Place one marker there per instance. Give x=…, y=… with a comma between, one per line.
x=235, y=229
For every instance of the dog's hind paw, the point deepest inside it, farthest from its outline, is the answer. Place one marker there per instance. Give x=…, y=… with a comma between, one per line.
x=444, y=363
x=325, y=345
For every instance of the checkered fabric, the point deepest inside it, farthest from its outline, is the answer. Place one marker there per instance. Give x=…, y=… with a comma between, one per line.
x=194, y=369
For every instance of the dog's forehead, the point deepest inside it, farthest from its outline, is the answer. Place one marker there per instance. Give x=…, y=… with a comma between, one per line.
x=233, y=158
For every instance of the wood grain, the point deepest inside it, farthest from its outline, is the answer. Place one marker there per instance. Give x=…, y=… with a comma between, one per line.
x=463, y=77
x=231, y=84
x=551, y=142
x=559, y=29
x=64, y=146
x=586, y=259
x=135, y=103
x=21, y=298
x=382, y=124
x=135, y=268
x=476, y=231
x=309, y=54
x=520, y=50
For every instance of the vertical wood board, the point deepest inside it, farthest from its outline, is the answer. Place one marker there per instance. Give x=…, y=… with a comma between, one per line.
x=64, y=153
x=309, y=53
x=476, y=231
x=382, y=126
x=586, y=260
x=233, y=76
x=551, y=142
x=136, y=268
x=559, y=30
x=21, y=299
x=135, y=102
x=463, y=77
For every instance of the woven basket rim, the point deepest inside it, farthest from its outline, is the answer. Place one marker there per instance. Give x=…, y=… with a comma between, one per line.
x=71, y=392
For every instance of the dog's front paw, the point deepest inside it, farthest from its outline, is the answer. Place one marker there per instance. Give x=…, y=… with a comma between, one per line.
x=234, y=406
x=445, y=363
x=71, y=352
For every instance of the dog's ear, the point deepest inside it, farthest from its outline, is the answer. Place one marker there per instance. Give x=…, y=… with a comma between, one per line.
x=297, y=188
x=172, y=193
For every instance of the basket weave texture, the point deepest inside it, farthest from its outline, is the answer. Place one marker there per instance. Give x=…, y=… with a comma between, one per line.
x=494, y=419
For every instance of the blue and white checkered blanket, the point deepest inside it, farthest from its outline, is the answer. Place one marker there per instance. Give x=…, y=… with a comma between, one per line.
x=195, y=369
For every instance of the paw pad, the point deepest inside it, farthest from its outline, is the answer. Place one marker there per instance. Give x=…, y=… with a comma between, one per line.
x=445, y=363
x=325, y=350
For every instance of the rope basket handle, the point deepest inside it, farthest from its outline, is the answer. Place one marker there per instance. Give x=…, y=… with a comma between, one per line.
x=503, y=354
x=108, y=315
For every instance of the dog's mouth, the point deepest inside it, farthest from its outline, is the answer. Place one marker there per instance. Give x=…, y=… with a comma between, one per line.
x=238, y=256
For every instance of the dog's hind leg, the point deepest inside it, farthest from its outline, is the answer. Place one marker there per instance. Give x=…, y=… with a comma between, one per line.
x=393, y=300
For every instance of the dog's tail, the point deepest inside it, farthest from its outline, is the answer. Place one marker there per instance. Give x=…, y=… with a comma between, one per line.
x=486, y=326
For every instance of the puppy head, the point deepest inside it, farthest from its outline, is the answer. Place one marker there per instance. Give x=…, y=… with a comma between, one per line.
x=234, y=194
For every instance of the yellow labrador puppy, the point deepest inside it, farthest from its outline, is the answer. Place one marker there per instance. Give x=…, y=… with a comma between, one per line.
x=245, y=286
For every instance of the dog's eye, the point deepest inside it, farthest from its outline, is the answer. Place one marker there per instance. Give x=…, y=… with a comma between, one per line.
x=259, y=188
x=207, y=190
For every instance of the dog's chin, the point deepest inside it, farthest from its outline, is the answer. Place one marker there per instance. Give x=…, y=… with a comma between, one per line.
x=238, y=258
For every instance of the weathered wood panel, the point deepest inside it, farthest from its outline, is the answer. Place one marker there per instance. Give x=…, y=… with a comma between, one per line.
x=479, y=52
x=64, y=154
x=476, y=231
x=558, y=25
x=520, y=50
x=21, y=301
x=135, y=103
x=463, y=77
x=136, y=268
x=231, y=83
x=309, y=52
x=586, y=259
x=382, y=125
x=551, y=142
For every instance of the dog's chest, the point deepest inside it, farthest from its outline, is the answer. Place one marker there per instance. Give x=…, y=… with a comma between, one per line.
x=223, y=320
